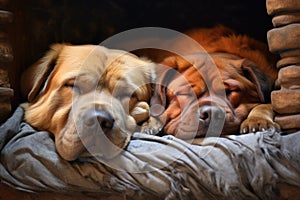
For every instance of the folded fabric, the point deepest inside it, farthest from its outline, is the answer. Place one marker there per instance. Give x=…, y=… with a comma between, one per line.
x=151, y=167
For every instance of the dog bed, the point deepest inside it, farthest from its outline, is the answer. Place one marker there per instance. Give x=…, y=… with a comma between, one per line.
x=251, y=166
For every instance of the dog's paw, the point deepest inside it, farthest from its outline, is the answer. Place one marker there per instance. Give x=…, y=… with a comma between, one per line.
x=255, y=124
x=141, y=112
x=152, y=127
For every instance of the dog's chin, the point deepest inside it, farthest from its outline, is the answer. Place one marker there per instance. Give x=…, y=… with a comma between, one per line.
x=203, y=131
x=200, y=130
x=105, y=146
x=76, y=140
x=71, y=146
x=183, y=129
x=189, y=128
x=68, y=144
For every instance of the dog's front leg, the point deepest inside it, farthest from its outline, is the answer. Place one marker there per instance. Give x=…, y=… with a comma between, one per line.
x=260, y=118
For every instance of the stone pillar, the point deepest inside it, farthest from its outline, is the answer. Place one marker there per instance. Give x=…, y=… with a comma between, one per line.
x=6, y=57
x=284, y=39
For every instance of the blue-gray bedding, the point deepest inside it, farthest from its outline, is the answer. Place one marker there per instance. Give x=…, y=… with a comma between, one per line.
x=238, y=167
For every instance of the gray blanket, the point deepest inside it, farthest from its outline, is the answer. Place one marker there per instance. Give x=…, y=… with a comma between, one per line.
x=238, y=167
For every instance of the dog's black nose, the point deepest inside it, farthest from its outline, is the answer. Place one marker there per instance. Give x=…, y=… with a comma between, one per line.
x=208, y=113
x=102, y=117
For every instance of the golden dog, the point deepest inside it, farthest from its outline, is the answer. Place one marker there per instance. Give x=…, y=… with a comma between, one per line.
x=89, y=97
x=223, y=88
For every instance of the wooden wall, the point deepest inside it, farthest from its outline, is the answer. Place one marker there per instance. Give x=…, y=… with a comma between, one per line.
x=284, y=39
x=6, y=58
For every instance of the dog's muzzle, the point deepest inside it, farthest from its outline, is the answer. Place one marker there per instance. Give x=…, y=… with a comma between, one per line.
x=98, y=117
x=210, y=113
x=102, y=135
x=95, y=129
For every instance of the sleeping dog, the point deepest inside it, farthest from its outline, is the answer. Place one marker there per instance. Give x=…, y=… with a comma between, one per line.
x=88, y=97
x=222, y=89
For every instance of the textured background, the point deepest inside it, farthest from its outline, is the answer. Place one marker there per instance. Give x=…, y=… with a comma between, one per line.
x=92, y=21
x=39, y=23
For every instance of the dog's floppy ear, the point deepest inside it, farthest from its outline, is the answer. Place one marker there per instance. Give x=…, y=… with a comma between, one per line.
x=34, y=78
x=264, y=84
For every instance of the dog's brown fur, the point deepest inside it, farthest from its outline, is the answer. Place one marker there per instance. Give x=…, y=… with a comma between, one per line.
x=244, y=67
x=224, y=39
x=71, y=87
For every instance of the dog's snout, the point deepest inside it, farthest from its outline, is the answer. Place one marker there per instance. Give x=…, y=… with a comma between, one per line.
x=210, y=112
x=102, y=117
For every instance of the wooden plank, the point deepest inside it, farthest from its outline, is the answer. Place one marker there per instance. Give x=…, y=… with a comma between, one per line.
x=285, y=19
x=6, y=17
x=280, y=6
x=288, y=121
x=284, y=38
x=295, y=60
x=289, y=77
x=6, y=93
x=286, y=101
x=5, y=103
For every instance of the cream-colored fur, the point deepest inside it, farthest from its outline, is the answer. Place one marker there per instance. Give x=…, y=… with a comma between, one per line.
x=69, y=81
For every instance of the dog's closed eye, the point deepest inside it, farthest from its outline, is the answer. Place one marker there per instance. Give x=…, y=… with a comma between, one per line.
x=233, y=92
x=70, y=84
x=80, y=84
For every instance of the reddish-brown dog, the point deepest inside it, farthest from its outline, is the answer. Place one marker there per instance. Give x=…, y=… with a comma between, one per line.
x=222, y=90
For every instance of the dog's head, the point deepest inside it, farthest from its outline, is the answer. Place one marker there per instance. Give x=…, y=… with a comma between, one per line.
x=215, y=90
x=84, y=95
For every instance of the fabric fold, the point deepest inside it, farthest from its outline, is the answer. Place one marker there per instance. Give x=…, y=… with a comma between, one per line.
x=235, y=167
